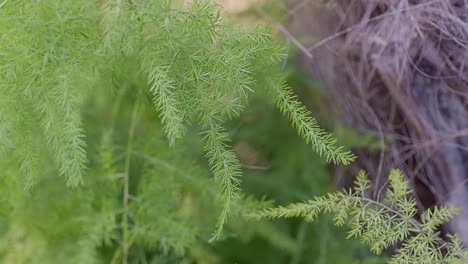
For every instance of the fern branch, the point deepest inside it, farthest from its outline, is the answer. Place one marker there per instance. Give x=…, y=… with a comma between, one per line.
x=307, y=127
x=226, y=170
x=162, y=88
x=61, y=124
x=383, y=224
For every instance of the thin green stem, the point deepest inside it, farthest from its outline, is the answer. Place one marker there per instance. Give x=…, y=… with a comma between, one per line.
x=301, y=234
x=415, y=223
x=125, y=198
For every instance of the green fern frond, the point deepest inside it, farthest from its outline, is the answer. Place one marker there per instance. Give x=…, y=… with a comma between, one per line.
x=61, y=125
x=457, y=253
x=48, y=71
x=362, y=182
x=381, y=225
x=162, y=88
x=399, y=187
x=196, y=68
x=307, y=127
x=226, y=170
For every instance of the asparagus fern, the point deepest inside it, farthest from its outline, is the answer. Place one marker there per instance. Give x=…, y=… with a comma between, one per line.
x=384, y=224
x=198, y=69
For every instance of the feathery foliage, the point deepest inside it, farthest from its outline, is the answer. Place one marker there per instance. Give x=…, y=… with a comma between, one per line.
x=46, y=67
x=80, y=84
x=308, y=128
x=383, y=224
x=198, y=70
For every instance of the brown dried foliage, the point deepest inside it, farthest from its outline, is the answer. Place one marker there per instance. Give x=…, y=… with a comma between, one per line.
x=399, y=69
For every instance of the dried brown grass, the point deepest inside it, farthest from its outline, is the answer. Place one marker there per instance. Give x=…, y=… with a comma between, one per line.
x=399, y=69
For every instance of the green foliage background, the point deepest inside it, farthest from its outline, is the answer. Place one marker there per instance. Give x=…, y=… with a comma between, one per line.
x=79, y=82
x=127, y=126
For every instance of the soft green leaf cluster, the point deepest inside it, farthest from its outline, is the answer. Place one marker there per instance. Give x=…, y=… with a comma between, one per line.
x=172, y=206
x=384, y=224
x=197, y=69
x=47, y=64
